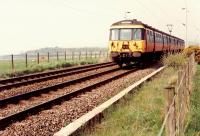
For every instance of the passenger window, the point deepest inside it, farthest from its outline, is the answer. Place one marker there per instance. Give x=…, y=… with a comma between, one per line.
x=147, y=35
x=137, y=34
x=151, y=36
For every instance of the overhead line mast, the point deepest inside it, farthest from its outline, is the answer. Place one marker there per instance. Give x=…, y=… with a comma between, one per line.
x=186, y=23
x=170, y=27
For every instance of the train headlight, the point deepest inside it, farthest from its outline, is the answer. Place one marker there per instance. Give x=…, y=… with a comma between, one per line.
x=136, y=54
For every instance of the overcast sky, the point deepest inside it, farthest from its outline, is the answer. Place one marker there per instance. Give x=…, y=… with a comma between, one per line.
x=33, y=24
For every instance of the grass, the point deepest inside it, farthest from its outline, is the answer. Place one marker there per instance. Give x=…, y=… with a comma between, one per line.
x=175, y=60
x=139, y=114
x=193, y=128
x=20, y=66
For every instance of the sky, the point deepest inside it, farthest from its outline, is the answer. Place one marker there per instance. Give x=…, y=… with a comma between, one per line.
x=33, y=24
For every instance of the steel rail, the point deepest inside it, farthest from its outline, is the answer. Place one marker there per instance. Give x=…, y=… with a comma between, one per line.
x=5, y=121
x=26, y=82
x=46, y=73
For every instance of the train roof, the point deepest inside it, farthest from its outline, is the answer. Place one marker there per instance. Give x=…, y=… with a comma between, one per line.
x=136, y=22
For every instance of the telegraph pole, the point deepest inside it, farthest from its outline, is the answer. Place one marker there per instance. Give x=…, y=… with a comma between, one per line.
x=186, y=23
x=170, y=27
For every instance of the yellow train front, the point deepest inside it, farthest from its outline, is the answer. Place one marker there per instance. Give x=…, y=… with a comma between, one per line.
x=134, y=41
x=126, y=42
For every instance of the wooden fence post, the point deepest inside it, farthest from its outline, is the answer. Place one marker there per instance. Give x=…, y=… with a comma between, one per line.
x=99, y=54
x=95, y=55
x=26, y=60
x=48, y=57
x=188, y=84
x=80, y=55
x=185, y=90
x=178, y=101
x=91, y=54
x=193, y=64
x=38, y=58
x=183, y=100
x=181, y=109
x=170, y=124
x=57, y=56
x=12, y=63
x=65, y=56
x=72, y=55
x=86, y=54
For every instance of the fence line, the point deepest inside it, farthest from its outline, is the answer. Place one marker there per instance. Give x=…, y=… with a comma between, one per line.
x=58, y=56
x=177, y=99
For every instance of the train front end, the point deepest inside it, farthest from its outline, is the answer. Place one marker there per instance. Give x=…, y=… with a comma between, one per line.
x=126, y=42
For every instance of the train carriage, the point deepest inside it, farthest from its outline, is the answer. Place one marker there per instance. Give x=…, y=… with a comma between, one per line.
x=134, y=41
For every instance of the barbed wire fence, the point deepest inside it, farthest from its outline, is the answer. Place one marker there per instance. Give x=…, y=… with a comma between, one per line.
x=39, y=58
x=177, y=98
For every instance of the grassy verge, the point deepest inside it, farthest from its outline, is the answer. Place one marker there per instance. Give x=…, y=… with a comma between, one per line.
x=139, y=114
x=193, y=128
x=20, y=67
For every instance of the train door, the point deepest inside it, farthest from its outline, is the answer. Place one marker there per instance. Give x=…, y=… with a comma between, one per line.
x=158, y=42
x=149, y=41
x=165, y=46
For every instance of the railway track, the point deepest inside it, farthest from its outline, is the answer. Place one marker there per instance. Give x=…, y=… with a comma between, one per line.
x=105, y=77
x=38, y=77
x=14, y=99
x=50, y=82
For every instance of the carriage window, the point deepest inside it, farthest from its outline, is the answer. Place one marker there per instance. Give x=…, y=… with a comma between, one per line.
x=165, y=40
x=152, y=37
x=148, y=38
x=137, y=34
x=157, y=38
x=125, y=34
x=114, y=34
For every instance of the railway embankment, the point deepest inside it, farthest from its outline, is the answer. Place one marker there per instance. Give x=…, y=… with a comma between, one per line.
x=139, y=113
x=144, y=112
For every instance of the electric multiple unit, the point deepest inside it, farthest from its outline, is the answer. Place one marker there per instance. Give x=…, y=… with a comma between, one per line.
x=134, y=41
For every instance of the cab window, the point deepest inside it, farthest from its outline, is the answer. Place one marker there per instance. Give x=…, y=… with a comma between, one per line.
x=125, y=34
x=114, y=34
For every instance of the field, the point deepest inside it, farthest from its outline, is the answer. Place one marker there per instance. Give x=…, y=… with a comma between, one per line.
x=49, y=58
x=20, y=65
x=193, y=126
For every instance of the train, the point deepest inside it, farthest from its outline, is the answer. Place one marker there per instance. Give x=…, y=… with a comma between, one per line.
x=132, y=41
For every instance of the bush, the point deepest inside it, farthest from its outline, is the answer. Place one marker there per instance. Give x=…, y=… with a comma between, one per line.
x=193, y=49
x=175, y=60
